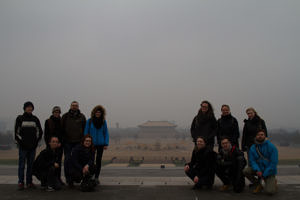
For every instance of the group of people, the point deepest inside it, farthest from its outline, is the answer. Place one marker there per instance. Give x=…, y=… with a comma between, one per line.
x=81, y=140
x=71, y=135
x=229, y=164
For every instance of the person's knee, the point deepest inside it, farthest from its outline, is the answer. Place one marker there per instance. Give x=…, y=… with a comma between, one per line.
x=247, y=171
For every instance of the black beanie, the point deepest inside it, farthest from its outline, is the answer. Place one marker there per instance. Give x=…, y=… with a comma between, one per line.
x=28, y=103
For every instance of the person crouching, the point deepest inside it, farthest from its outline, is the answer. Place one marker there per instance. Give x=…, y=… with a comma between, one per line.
x=201, y=169
x=81, y=164
x=230, y=165
x=46, y=167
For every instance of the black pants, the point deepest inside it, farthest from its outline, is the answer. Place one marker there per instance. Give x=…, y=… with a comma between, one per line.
x=49, y=177
x=98, y=160
x=206, y=179
x=232, y=175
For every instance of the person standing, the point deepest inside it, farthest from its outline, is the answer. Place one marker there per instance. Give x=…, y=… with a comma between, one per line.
x=228, y=127
x=263, y=159
x=251, y=126
x=230, y=165
x=205, y=124
x=201, y=169
x=96, y=126
x=28, y=133
x=53, y=128
x=73, y=124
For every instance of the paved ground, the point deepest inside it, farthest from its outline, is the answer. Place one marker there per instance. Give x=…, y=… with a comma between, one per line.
x=147, y=183
x=8, y=192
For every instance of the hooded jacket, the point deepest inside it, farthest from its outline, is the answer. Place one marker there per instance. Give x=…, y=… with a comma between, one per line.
x=266, y=164
x=251, y=127
x=99, y=132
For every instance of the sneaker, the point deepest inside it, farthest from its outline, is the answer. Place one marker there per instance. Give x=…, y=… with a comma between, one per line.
x=224, y=188
x=21, y=186
x=258, y=189
x=197, y=187
x=97, y=181
x=31, y=186
x=50, y=189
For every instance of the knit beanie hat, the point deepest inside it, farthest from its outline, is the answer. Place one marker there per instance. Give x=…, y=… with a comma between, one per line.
x=56, y=108
x=27, y=104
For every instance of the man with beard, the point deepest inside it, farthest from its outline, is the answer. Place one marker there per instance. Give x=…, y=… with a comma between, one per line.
x=73, y=123
x=230, y=165
x=96, y=126
x=263, y=159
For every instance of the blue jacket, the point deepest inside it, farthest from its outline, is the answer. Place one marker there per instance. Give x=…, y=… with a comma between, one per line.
x=100, y=136
x=267, y=166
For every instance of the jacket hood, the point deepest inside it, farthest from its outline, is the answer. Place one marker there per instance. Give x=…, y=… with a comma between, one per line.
x=96, y=108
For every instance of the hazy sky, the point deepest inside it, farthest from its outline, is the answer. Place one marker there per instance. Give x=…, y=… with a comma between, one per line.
x=152, y=59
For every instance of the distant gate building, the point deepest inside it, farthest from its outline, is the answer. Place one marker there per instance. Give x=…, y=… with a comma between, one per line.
x=157, y=129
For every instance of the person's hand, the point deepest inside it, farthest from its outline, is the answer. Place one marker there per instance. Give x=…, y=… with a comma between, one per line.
x=186, y=168
x=259, y=174
x=105, y=147
x=85, y=169
x=196, y=179
x=56, y=165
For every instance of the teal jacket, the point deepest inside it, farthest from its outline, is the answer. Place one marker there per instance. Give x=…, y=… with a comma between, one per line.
x=100, y=136
x=268, y=164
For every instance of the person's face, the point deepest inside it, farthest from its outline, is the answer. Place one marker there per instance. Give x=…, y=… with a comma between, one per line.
x=98, y=114
x=54, y=142
x=225, y=110
x=250, y=114
x=225, y=144
x=204, y=107
x=56, y=114
x=74, y=106
x=29, y=109
x=260, y=136
x=200, y=143
x=87, y=142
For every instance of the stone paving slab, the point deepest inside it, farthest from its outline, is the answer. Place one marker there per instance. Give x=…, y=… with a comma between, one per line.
x=179, y=181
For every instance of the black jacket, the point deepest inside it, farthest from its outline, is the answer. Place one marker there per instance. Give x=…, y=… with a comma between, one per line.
x=80, y=157
x=204, y=126
x=251, y=126
x=44, y=161
x=73, y=126
x=28, y=131
x=228, y=126
x=232, y=158
x=53, y=127
x=203, y=162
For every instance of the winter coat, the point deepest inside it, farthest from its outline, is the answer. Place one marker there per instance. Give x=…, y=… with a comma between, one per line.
x=80, y=157
x=53, y=127
x=266, y=164
x=251, y=127
x=203, y=162
x=232, y=158
x=100, y=136
x=28, y=131
x=204, y=126
x=44, y=161
x=228, y=126
x=73, y=126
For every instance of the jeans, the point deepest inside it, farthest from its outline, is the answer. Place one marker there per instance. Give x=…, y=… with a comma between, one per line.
x=25, y=156
x=67, y=151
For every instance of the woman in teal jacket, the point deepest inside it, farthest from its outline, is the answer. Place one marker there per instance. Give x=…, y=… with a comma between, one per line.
x=96, y=126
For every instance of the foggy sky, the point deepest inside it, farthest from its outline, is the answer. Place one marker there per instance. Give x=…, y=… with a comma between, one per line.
x=152, y=59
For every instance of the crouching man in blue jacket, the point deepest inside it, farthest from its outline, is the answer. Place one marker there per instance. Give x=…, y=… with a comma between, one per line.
x=263, y=159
